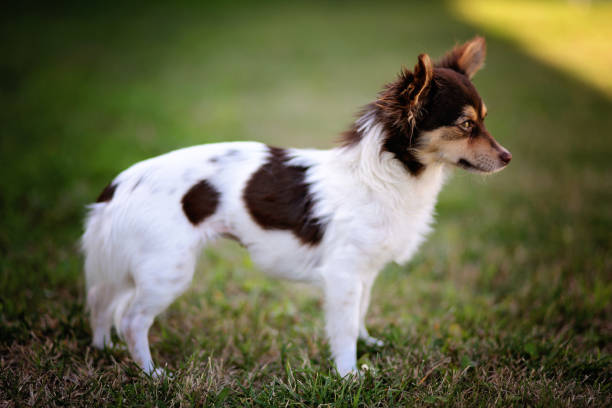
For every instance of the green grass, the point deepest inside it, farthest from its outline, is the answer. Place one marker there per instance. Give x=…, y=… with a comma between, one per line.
x=508, y=303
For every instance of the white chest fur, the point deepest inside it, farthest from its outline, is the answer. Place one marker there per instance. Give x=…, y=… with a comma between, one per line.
x=371, y=201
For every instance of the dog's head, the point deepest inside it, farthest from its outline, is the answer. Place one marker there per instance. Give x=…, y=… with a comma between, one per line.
x=434, y=114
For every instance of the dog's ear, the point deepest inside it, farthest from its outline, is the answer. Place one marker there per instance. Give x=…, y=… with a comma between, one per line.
x=418, y=88
x=467, y=58
x=400, y=101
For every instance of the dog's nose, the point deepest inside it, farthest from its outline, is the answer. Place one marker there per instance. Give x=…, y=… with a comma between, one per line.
x=505, y=156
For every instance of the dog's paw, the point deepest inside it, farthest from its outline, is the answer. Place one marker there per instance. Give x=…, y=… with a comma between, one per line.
x=350, y=375
x=372, y=341
x=103, y=344
x=347, y=371
x=357, y=374
x=159, y=373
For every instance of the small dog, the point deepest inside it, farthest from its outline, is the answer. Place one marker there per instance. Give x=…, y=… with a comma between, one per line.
x=330, y=217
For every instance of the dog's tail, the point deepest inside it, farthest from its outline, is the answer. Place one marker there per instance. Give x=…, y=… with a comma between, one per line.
x=109, y=286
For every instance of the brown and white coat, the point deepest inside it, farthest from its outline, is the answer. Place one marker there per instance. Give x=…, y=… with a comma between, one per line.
x=330, y=217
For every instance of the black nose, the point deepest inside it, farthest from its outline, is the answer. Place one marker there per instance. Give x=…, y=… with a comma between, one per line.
x=505, y=157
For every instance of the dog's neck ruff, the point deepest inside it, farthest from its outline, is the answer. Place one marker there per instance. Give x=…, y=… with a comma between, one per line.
x=380, y=169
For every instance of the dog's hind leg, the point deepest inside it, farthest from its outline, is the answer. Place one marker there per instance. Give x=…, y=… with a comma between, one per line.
x=158, y=282
x=100, y=305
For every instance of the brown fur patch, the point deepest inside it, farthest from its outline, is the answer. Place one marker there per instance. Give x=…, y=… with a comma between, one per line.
x=278, y=197
x=107, y=194
x=452, y=133
x=400, y=102
x=200, y=202
x=423, y=74
x=469, y=112
x=400, y=109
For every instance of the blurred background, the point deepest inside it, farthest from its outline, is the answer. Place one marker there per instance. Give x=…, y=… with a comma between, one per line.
x=508, y=302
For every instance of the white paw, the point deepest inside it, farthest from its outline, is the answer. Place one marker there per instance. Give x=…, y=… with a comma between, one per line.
x=357, y=374
x=349, y=373
x=102, y=344
x=372, y=341
x=159, y=373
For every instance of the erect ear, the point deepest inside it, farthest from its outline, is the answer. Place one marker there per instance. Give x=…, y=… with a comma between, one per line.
x=399, y=101
x=422, y=75
x=467, y=58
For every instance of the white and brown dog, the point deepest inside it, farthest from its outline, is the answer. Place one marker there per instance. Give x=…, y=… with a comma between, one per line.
x=330, y=217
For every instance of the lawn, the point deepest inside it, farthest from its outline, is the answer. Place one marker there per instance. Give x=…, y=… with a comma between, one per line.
x=508, y=302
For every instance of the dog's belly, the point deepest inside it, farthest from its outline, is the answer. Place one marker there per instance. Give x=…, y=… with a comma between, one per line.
x=278, y=253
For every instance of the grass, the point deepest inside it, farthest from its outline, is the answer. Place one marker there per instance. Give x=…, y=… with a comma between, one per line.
x=508, y=303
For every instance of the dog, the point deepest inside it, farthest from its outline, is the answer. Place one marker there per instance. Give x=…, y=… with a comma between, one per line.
x=333, y=218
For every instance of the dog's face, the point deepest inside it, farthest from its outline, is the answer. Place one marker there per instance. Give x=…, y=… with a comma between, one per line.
x=436, y=114
x=452, y=129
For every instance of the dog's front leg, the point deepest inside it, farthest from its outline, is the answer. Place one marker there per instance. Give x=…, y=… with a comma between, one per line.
x=367, y=282
x=342, y=300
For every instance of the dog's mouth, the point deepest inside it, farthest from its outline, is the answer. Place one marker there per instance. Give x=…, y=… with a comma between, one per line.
x=464, y=164
x=474, y=168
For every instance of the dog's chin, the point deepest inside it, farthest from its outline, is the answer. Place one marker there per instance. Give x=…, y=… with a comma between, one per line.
x=471, y=167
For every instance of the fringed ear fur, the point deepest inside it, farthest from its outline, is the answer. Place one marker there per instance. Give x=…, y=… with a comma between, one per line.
x=423, y=73
x=467, y=58
x=400, y=100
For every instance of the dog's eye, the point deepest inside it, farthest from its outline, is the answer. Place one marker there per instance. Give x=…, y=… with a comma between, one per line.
x=466, y=125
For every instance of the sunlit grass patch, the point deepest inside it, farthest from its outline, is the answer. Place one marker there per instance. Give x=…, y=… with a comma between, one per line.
x=575, y=36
